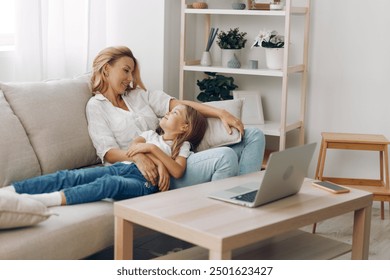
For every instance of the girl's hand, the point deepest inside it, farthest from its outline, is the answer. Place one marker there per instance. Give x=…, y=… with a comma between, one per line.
x=229, y=121
x=139, y=148
x=164, y=178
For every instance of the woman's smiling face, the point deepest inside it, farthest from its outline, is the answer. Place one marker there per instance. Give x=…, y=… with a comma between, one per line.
x=120, y=74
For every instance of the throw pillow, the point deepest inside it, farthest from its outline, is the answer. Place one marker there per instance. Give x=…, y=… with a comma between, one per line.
x=216, y=134
x=52, y=113
x=15, y=148
x=20, y=211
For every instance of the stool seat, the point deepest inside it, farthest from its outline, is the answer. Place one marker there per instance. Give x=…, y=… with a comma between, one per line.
x=364, y=142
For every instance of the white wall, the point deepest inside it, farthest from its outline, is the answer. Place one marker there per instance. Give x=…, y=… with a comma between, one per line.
x=140, y=26
x=349, y=82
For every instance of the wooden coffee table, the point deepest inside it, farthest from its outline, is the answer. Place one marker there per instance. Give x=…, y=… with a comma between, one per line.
x=220, y=227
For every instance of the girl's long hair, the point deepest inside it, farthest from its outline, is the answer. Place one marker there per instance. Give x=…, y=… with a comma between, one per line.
x=110, y=55
x=197, y=125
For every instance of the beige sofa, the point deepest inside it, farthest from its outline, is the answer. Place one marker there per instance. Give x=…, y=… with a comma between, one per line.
x=43, y=129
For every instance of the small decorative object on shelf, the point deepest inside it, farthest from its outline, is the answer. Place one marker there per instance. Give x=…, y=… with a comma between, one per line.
x=273, y=44
x=199, y=5
x=253, y=64
x=252, y=109
x=215, y=87
x=206, y=57
x=253, y=5
x=231, y=42
x=276, y=5
x=234, y=62
x=238, y=6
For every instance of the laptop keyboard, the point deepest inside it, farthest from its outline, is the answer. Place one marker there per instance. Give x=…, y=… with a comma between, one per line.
x=249, y=197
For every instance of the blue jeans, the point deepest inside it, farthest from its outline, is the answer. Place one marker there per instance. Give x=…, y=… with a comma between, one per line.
x=223, y=162
x=118, y=181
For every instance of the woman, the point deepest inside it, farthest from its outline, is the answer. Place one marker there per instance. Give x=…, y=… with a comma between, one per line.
x=122, y=108
x=179, y=131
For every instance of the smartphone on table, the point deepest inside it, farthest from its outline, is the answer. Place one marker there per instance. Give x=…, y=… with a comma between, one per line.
x=331, y=187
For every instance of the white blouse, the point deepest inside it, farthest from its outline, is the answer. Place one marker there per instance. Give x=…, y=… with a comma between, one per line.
x=112, y=127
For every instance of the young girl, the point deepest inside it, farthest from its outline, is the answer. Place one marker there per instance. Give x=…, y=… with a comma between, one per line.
x=180, y=130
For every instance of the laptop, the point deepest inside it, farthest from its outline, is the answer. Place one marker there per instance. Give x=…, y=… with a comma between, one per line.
x=283, y=177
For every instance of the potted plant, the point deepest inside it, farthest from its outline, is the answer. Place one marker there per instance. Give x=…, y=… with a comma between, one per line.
x=230, y=42
x=273, y=44
x=215, y=87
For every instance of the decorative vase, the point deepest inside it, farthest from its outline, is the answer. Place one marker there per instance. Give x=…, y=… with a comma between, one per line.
x=238, y=6
x=274, y=58
x=228, y=54
x=234, y=62
x=206, y=59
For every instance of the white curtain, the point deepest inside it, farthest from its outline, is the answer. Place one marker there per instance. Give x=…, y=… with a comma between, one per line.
x=57, y=38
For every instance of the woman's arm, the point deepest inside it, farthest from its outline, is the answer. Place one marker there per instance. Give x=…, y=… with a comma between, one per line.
x=175, y=167
x=227, y=119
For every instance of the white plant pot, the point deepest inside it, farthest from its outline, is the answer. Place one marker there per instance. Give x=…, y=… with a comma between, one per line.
x=228, y=54
x=274, y=58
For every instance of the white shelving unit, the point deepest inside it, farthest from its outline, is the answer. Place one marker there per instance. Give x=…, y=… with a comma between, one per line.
x=279, y=128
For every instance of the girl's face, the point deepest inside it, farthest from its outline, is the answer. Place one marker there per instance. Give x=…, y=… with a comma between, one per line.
x=120, y=74
x=174, y=122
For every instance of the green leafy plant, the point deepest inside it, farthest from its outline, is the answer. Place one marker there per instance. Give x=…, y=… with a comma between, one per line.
x=215, y=87
x=233, y=39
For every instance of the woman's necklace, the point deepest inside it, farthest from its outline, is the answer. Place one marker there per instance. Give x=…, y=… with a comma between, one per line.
x=118, y=102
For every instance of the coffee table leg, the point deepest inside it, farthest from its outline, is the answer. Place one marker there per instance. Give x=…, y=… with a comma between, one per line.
x=218, y=255
x=361, y=234
x=123, y=249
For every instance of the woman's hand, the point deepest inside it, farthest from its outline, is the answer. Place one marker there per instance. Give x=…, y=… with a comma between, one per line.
x=230, y=121
x=147, y=167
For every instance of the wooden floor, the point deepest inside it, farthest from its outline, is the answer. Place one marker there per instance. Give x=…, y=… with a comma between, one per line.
x=339, y=228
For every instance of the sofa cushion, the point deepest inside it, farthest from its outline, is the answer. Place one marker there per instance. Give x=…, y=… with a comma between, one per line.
x=20, y=211
x=216, y=134
x=18, y=159
x=77, y=232
x=53, y=115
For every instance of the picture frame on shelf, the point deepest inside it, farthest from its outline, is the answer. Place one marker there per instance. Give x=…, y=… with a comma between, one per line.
x=252, y=109
x=258, y=4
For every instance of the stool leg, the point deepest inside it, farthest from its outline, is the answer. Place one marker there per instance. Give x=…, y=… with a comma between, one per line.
x=320, y=174
x=321, y=160
x=386, y=160
x=314, y=228
x=382, y=210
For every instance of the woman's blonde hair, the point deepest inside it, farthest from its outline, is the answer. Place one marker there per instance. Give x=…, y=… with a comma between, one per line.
x=197, y=125
x=110, y=55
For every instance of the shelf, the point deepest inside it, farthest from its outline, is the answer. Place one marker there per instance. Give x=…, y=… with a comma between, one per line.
x=272, y=128
x=294, y=10
x=221, y=13
x=244, y=71
x=294, y=245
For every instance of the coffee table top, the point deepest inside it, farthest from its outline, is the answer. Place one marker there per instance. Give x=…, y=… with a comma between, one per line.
x=190, y=215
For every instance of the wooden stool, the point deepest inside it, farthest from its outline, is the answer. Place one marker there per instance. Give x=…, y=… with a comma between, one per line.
x=363, y=142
